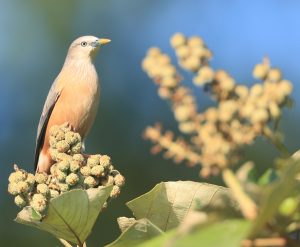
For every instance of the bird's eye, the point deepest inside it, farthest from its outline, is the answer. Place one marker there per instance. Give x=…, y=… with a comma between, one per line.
x=83, y=43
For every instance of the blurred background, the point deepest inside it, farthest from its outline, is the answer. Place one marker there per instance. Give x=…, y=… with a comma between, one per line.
x=35, y=36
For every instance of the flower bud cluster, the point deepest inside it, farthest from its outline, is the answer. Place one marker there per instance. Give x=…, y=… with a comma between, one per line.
x=191, y=52
x=71, y=170
x=242, y=113
x=159, y=68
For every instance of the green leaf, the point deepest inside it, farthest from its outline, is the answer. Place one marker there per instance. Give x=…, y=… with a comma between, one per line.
x=268, y=177
x=168, y=202
x=70, y=216
x=275, y=193
x=138, y=232
x=225, y=233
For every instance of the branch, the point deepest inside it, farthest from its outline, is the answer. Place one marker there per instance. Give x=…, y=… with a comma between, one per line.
x=248, y=207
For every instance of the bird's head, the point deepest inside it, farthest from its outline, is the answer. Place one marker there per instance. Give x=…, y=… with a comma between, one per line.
x=86, y=47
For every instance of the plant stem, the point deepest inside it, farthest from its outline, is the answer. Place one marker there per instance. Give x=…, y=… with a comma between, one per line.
x=248, y=207
x=64, y=242
x=276, y=142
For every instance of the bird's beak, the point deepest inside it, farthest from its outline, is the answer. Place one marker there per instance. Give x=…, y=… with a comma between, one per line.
x=103, y=41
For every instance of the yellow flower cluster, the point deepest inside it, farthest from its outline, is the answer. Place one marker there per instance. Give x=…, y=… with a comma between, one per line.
x=192, y=53
x=70, y=170
x=159, y=68
x=217, y=135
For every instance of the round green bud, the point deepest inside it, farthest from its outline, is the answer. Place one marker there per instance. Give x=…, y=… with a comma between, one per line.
x=39, y=203
x=63, y=165
x=57, y=133
x=105, y=161
x=288, y=206
x=61, y=176
x=93, y=161
x=85, y=171
x=72, y=179
x=54, y=193
x=13, y=189
x=64, y=187
x=107, y=181
x=74, y=166
x=41, y=178
x=90, y=182
x=63, y=156
x=62, y=146
x=72, y=137
x=42, y=189
x=20, y=201
x=30, y=179
x=79, y=158
x=76, y=149
x=98, y=171
x=17, y=176
x=22, y=187
x=119, y=180
x=115, y=192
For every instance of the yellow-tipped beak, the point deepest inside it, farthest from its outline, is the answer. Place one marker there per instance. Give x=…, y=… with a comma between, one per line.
x=103, y=41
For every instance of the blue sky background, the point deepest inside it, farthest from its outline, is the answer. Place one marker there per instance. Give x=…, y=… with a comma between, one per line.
x=35, y=36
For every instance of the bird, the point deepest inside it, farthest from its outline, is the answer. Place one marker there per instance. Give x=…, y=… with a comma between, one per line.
x=73, y=97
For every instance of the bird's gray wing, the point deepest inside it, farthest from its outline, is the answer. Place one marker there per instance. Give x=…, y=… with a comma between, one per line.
x=52, y=98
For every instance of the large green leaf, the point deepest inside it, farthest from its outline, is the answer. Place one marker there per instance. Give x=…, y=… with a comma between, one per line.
x=276, y=192
x=138, y=232
x=168, y=202
x=71, y=215
x=225, y=233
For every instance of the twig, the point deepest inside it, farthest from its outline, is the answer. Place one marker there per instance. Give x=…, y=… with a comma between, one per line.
x=277, y=143
x=248, y=207
x=64, y=242
x=264, y=242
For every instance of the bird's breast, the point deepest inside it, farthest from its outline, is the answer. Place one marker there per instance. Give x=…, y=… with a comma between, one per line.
x=78, y=103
